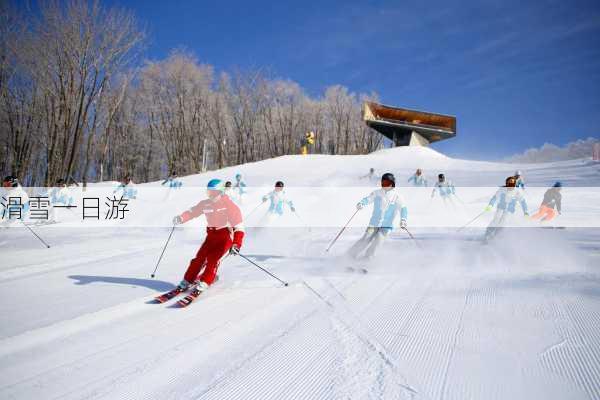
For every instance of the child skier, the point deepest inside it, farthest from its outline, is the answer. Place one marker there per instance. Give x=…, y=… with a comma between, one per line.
x=388, y=204
x=418, y=179
x=370, y=175
x=172, y=181
x=552, y=199
x=278, y=200
x=445, y=188
x=507, y=198
x=59, y=196
x=519, y=178
x=15, y=201
x=240, y=187
x=127, y=187
x=224, y=233
x=228, y=189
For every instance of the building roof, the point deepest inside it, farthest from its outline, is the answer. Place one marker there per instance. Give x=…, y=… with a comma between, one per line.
x=394, y=122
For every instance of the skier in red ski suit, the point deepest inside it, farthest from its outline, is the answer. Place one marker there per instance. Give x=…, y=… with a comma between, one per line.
x=224, y=233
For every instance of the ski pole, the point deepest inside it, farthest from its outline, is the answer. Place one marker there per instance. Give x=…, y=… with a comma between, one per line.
x=261, y=268
x=255, y=208
x=302, y=221
x=343, y=229
x=35, y=234
x=412, y=237
x=459, y=199
x=163, y=252
x=471, y=221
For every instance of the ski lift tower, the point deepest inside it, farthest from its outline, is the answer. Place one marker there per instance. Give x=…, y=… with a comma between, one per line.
x=406, y=127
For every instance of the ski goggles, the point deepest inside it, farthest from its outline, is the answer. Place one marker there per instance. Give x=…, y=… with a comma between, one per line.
x=213, y=193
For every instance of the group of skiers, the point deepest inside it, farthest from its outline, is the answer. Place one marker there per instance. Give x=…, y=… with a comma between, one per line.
x=236, y=191
x=225, y=227
x=225, y=230
x=443, y=187
x=60, y=195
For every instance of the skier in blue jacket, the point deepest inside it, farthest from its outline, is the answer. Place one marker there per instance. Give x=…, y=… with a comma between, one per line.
x=505, y=200
x=519, y=178
x=239, y=187
x=278, y=200
x=172, y=182
x=127, y=187
x=418, y=179
x=387, y=206
x=59, y=196
x=444, y=187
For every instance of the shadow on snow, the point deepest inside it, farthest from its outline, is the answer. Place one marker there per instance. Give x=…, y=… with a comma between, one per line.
x=149, y=283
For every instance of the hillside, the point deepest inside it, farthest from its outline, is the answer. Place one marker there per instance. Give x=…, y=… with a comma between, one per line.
x=443, y=318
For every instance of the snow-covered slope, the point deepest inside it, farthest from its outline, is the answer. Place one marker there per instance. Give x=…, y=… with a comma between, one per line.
x=326, y=170
x=447, y=319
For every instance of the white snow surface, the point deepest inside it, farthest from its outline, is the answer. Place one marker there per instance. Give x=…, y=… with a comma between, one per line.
x=441, y=318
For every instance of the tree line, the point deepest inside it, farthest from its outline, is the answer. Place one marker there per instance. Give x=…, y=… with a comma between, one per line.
x=77, y=102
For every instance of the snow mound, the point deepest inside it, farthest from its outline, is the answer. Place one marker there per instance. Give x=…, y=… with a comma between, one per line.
x=343, y=170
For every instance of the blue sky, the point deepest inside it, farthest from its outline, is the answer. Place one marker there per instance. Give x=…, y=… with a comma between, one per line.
x=516, y=74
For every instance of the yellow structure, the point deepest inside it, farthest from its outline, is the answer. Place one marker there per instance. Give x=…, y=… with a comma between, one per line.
x=309, y=140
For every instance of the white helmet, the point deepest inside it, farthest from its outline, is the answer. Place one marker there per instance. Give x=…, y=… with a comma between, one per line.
x=518, y=173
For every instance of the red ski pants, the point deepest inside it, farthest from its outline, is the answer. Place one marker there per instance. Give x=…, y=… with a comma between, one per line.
x=215, y=246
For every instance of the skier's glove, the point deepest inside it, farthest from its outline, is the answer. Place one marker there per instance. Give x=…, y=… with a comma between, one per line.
x=234, y=250
x=293, y=209
x=526, y=214
x=403, y=224
x=177, y=220
x=359, y=206
x=264, y=199
x=487, y=208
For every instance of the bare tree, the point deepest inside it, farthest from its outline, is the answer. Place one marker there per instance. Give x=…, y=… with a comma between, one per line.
x=245, y=94
x=19, y=98
x=283, y=117
x=73, y=104
x=79, y=47
x=177, y=92
x=218, y=124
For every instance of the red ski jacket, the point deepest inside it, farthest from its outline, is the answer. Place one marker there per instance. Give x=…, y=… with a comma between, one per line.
x=220, y=214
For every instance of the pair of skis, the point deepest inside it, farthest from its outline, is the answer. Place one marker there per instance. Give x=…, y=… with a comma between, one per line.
x=184, y=302
x=361, y=270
